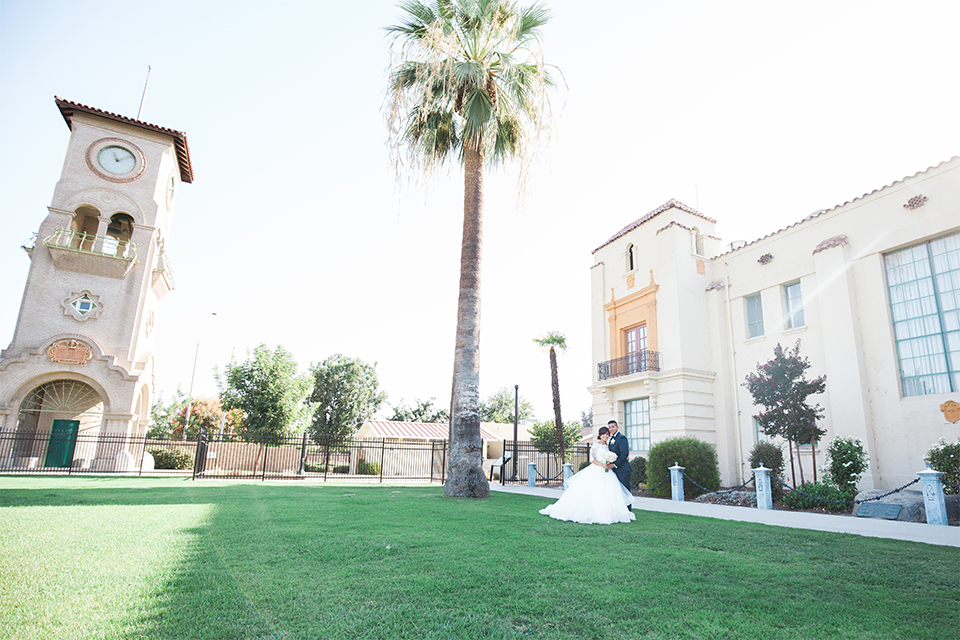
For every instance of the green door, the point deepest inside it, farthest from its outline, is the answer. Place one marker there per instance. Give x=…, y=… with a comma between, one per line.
x=63, y=439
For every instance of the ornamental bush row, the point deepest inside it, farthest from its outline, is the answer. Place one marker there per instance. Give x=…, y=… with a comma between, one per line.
x=173, y=458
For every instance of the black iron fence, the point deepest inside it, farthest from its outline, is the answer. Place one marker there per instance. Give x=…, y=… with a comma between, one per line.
x=548, y=470
x=633, y=363
x=380, y=459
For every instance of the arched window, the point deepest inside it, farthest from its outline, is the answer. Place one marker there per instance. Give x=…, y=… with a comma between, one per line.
x=697, y=241
x=84, y=227
x=630, y=259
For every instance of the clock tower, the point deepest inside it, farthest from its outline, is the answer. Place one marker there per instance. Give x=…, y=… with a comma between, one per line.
x=76, y=382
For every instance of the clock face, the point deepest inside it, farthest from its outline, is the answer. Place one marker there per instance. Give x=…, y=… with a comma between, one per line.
x=116, y=160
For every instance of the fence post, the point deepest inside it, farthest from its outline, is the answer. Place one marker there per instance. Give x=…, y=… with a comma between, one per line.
x=303, y=454
x=764, y=497
x=531, y=474
x=567, y=472
x=676, y=482
x=383, y=448
x=933, y=501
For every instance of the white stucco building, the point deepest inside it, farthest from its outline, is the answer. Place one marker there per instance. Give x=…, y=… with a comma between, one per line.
x=870, y=287
x=81, y=360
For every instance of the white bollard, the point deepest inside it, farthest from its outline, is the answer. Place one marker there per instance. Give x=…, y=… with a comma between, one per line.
x=764, y=497
x=933, y=501
x=676, y=482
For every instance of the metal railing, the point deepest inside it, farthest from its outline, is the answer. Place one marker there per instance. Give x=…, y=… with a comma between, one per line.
x=634, y=363
x=548, y=469
x=164, y=268
x=92, y=244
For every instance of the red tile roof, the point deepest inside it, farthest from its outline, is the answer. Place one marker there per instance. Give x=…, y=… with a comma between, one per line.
x=417, y=430
x=669, y=204
x=68, y=108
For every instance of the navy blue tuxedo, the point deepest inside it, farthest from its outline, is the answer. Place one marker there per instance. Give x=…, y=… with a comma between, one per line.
x=620, y=446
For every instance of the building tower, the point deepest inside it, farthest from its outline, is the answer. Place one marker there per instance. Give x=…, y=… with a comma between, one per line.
x=78, y=375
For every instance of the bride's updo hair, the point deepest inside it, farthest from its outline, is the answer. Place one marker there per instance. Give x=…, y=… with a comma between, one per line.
x=602, y=431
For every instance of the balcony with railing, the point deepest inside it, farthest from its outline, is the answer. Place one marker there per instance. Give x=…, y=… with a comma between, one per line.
x=634, y=363
x=90, y=253
x=163, y=276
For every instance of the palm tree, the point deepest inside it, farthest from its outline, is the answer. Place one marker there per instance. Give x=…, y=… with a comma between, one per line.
x=470, y=85
x=553, y=341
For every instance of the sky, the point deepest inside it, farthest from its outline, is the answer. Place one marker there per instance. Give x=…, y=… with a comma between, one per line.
x=295, y=231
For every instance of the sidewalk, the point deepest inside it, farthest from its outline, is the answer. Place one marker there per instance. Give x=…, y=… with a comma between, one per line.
x=870, y=527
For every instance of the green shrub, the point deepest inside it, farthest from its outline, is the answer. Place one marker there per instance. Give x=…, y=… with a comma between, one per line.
x=584, y=465
x=846, y=462
x=771, y=456
x=174, y=458
x=945, y=458
x=699, y=460
x=638, y=471
x=365, y=468
x=311, y=467
x=814, y=490
x=344, y=468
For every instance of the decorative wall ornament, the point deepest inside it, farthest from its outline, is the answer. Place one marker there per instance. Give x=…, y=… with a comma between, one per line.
x=951, y=411
x=716, y=285
x=701, y=267
x=82, y=306
x=70, y=352
x=829, y=243
x=765, y=258
x=150, y=321
x=916, y=202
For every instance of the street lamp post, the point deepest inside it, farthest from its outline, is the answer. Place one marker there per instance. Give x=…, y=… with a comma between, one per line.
x=516, y=404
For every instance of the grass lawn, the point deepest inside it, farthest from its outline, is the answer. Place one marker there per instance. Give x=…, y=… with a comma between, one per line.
x=103, y=557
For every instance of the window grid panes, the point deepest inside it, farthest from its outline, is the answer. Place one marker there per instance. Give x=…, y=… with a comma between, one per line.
x=924, y=288
x=793, y=305
x=754, y=316
x=636, y=424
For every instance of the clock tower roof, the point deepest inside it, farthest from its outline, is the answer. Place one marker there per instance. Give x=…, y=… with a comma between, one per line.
x=68, y=109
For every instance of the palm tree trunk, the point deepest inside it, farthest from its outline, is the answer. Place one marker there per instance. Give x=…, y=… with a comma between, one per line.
x=555, y=386
x=466, y=479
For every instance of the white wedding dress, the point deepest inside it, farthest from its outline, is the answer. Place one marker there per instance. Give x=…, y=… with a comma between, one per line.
x=593, y=495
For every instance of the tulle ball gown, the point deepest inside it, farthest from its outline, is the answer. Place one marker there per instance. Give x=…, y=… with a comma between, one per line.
x=593, y=495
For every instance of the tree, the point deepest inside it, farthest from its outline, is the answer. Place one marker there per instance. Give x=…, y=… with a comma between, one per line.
x=553, y=341
x=543, y=437
x=162, y=415
x=267, y=393
x=471, y=85
x=421, y=411
x=781, y=387
x=345, y=395
x=586, y=418
x=206, y=414
x=499, y=407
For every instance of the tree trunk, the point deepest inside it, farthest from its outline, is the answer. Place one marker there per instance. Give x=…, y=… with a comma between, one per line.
x=555, y=385
x=466, y=479
x=793, y=470
x=799, y=461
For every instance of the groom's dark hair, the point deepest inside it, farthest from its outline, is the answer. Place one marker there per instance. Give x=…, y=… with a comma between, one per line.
x=612, y=422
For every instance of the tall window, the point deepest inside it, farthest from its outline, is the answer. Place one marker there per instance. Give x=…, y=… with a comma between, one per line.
x=793, y=305
x=630, y=257
x=636, y=424
x=754, y=316
x=636, y=348
x=924, y=286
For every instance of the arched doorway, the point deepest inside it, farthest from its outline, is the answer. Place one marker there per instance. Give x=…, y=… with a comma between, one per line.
x=52, y=418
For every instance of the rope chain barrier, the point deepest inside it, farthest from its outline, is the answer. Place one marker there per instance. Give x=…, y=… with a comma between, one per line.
x=847, y=502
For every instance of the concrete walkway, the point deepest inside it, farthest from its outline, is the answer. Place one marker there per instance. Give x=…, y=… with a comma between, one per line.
x=870, y=527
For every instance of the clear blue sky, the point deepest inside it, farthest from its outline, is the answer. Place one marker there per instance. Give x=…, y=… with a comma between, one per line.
x=294, y=232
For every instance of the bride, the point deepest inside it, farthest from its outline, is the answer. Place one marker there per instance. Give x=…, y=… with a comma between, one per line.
x=594, y=495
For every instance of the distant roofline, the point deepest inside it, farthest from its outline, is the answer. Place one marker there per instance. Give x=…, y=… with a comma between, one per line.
x=68, y=108
x=817, y=214
x=669, y=204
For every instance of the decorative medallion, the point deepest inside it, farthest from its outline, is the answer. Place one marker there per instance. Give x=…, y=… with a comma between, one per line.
x=765, y=258
x=150, y=321
x=915, y=202
x=82, y=306
x=70, y=352
x=701, y=268
x=951, y=411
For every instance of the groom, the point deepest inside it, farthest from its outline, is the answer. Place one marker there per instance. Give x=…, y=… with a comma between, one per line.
x=619, y=445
